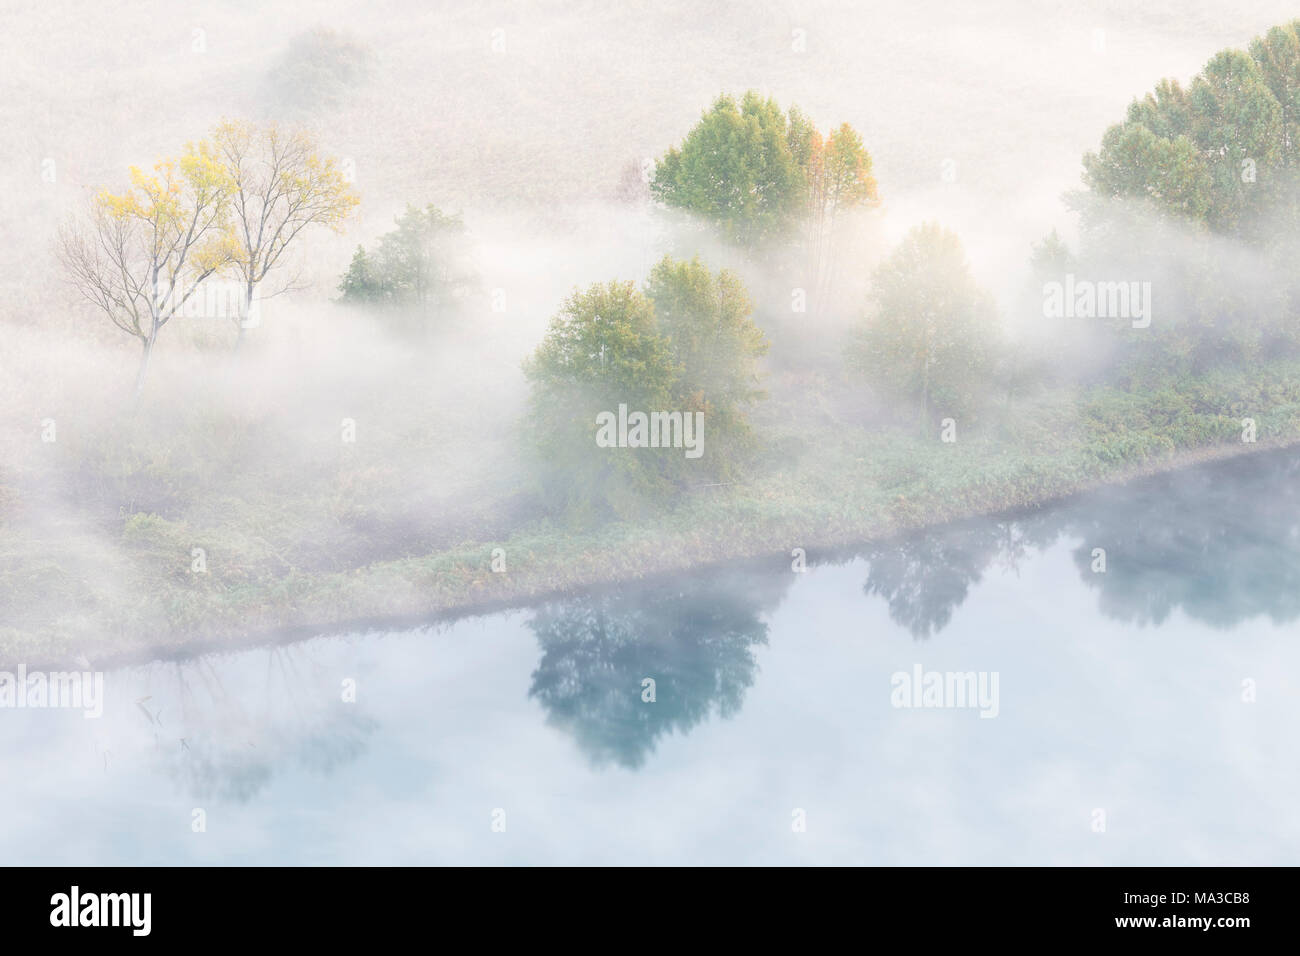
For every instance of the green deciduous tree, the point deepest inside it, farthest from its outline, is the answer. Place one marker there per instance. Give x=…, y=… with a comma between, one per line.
x=715, y=345
x=736, y=169
x=686, y=344
x=603, y=348
x=931, y=331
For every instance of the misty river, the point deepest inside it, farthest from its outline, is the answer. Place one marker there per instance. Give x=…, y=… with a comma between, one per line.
x=1116, y=678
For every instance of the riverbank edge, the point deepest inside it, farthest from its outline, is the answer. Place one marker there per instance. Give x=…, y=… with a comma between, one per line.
x=408, y=595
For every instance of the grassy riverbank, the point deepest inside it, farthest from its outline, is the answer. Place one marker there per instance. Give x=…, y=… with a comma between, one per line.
x=822, y=483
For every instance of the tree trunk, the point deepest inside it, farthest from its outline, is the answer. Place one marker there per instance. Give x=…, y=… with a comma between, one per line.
x=243, y=319
x=145, y=353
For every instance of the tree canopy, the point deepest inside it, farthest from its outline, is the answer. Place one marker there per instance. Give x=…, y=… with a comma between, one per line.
x=685, y=344
x=759, y=174
x=1221, y=153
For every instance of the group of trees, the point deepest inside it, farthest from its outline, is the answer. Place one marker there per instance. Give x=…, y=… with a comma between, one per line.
x=1221, y=156
x=228, y=206
x=763, y=177
x=1223, y=152
x=759, y=174
x=1198, y=190
x=684, y=344
x=417, y=270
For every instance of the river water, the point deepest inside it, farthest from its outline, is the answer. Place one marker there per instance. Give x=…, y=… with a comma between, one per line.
x=1146, y=713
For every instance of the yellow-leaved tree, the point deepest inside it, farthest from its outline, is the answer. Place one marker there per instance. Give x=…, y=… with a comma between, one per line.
x=141, y=254
x=280, y=184
x=838, y=175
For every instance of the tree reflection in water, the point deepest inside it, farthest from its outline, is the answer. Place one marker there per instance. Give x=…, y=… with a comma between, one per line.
x=1220, y=542
x=924, y=578
x=226, y=743
x=694, y=639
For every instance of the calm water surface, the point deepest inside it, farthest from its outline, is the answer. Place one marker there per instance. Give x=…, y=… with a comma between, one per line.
x=1162, y=694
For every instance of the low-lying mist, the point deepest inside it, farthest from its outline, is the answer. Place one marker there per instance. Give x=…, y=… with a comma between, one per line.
x=338, y=436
